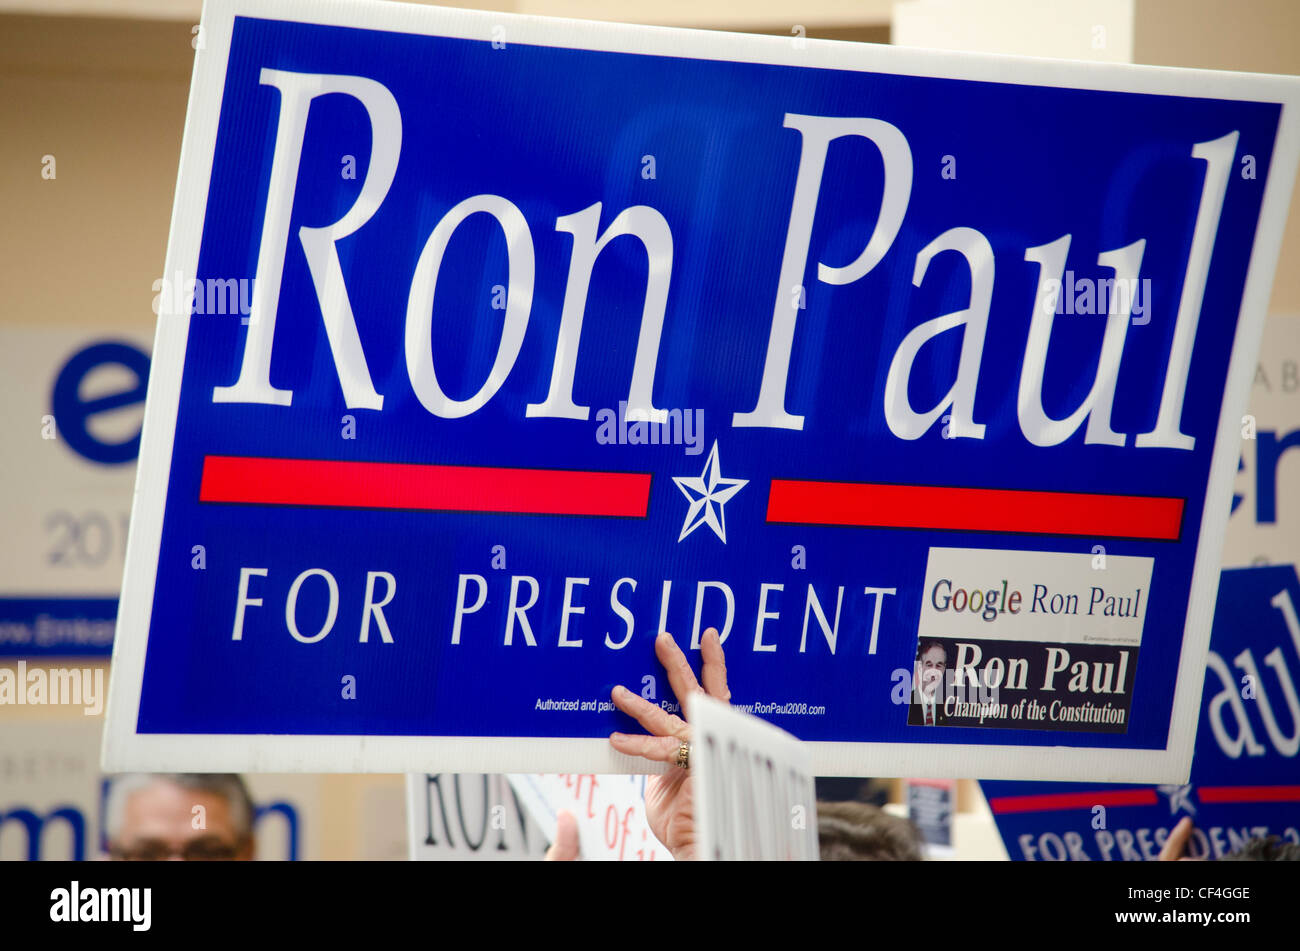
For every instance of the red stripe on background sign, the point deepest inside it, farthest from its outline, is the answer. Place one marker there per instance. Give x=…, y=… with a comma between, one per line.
x=389, y=485
x=1248, y=793
x=1049, y=802
x=974, y=510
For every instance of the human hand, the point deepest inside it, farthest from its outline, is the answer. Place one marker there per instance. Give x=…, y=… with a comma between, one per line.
x=1177, y=842
x=565, y=847
x=668, y=802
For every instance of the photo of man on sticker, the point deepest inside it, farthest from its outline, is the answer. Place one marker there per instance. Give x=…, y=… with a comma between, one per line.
x=926, y=708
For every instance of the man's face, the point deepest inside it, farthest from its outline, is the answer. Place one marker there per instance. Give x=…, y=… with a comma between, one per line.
x=160, y=819
x=933, y=664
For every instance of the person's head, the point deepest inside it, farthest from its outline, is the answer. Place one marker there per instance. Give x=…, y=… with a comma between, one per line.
x=193, y=816
x=1265, y=849
x=859, y=832
x=931, y=663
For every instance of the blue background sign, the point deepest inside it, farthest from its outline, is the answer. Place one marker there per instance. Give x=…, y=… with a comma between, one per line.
x=414, y=463
x=1244, y=772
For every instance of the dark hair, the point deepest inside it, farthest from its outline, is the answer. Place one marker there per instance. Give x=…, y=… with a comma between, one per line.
x=924, y=646
x=858, y=832
x=1265, y=849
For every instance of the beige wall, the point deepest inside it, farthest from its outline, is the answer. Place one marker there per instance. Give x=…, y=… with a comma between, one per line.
x=107, y=99
x=1257, y=36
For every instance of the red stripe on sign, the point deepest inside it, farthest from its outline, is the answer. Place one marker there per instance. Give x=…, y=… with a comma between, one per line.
x=974, y=510
x=389, y=485
x=1050, y=802
x=1248, y=793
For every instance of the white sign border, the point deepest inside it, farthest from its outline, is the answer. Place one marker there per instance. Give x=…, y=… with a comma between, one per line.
x=125, y=749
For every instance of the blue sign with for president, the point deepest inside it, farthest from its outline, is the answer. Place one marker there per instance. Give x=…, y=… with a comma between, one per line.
x=917, y=376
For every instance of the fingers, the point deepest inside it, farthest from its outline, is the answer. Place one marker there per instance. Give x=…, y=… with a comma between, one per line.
x=1177, y=841
x=661, y=749
x=714, y=673
x=655, y=719
x=565, y=847
x=670, y=731
x=680, y=676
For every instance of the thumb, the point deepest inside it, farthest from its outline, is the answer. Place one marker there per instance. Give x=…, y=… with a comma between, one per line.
x=565, y=847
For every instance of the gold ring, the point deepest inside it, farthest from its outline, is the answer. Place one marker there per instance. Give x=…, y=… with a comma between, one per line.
x=684, y=755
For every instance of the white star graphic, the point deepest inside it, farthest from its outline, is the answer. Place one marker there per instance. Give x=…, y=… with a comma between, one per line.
x=707, y=493
x=1180, y=797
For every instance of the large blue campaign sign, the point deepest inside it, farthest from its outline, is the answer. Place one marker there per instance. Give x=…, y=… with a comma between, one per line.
x=1245, y=780
x=920, y=376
